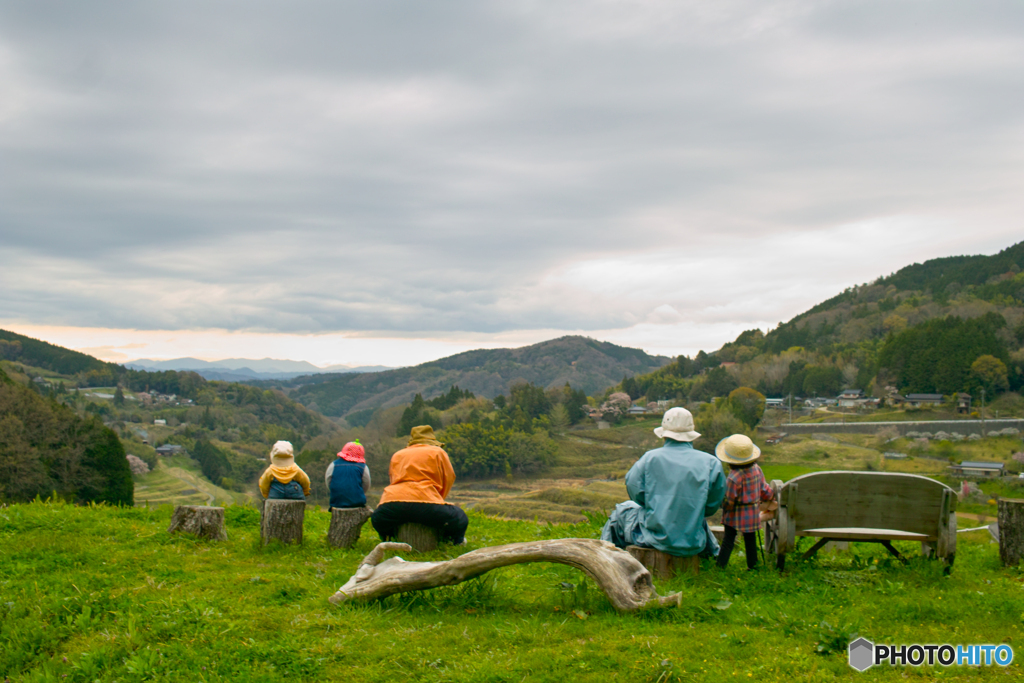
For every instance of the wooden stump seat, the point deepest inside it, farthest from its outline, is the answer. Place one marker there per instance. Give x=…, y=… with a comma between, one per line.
x=282, y=519
x=200, y=520
x=663, y=565
x=1011, y=531
x=422, y=538
x=875, y=507
x=346, y=526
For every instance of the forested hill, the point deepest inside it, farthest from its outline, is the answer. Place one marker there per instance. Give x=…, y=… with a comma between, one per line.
x=46, y=449
x=963, y=286
x=948, y=325
x=584, y=363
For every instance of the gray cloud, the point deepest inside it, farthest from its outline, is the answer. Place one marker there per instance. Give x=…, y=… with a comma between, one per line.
x=487, y=167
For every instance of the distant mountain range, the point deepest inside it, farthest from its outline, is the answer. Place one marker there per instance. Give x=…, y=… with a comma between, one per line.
x=245, y=369
x=584, y=363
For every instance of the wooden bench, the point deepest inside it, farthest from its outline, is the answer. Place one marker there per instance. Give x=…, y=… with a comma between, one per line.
x=875, y=507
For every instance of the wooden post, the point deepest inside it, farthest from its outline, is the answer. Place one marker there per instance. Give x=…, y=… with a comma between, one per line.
x=346, y=525
x=200, y=520
x=422, y=538
x=1011, y=531
x=663, y=565
x=282, y=519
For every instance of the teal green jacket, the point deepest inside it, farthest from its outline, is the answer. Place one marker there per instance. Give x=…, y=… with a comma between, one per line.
x=676, y=486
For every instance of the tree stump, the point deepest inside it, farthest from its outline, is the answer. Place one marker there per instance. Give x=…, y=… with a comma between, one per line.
x=282, y=519
x=663, y=565
x=423, y=539
x=199, y=520
x=1011, y=531
x=346, y=525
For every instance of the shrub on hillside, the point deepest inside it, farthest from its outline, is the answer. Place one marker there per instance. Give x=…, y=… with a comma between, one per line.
x=483, y=450
x=715, y=422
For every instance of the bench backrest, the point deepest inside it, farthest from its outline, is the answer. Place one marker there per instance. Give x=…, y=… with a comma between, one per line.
x=874, y=500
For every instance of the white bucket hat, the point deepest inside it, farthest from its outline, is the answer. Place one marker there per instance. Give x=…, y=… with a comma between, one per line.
x=677, y=424
x=737, y=449
x=282, y=454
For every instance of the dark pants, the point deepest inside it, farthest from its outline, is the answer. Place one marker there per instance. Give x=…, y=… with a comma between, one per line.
x=449, y=521
x=749, y=542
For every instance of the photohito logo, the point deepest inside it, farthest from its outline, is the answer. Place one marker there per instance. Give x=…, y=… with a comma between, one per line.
x=864, y=654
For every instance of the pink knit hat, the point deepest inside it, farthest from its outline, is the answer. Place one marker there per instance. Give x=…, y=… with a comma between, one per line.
x=353, y=452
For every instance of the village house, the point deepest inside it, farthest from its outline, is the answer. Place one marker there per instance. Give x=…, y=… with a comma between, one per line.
x=963, y=403
x=851, y=398
x=170, y=449
x=978, y=469
x=920, y=400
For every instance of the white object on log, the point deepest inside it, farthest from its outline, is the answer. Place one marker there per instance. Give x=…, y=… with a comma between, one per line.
x=282, y=519
x=200, y=520
x=421, y=538
x=346, y=526
x=622, y=578
x=1011, y=531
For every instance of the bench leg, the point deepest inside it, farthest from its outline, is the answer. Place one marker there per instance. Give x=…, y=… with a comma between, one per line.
x=816, y=547
x=896, y=553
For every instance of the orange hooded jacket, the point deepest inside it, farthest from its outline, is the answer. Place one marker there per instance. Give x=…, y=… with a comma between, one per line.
x=421, y=473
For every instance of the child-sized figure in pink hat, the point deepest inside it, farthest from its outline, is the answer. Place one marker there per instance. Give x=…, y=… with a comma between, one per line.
x=348, y=477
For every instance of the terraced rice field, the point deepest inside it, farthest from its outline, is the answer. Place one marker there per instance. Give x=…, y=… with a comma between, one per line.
x=175, y=483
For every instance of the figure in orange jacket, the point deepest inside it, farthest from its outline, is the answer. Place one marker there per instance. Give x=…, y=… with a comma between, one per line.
x=421, y=477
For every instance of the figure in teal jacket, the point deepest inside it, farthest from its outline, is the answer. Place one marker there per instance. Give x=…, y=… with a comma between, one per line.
x=671, y=490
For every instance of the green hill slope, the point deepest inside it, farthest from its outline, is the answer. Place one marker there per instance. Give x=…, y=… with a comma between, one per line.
x=584, y=363
x=889, y=333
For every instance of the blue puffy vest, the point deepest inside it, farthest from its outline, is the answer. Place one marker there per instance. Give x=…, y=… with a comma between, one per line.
x=347, y=484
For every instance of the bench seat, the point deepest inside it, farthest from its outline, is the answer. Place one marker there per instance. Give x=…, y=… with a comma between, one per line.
x=864, y=534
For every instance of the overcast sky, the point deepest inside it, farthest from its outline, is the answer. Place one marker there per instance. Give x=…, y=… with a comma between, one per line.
x=387, y=182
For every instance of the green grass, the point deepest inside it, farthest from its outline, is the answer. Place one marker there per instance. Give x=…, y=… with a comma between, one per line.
x=105, y=594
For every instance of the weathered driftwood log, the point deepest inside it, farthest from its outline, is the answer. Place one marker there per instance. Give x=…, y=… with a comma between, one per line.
x=282, y=519
x=624, y=580
x=423, y=539
x=199, y=520
x=663, y=565
x=346, y=525
x=1011, y=531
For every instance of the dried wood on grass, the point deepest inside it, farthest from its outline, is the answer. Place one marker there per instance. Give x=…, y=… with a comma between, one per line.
x=622, y=578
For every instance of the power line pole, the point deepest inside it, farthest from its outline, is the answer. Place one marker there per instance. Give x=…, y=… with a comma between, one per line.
x=983, y=412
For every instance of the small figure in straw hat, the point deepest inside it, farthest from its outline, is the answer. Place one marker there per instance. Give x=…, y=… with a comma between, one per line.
x=671, y=489
x=745, y=490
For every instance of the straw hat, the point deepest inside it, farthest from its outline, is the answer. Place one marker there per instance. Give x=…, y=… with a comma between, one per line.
x=737, y=449
x=282, y=454
x=677, y=424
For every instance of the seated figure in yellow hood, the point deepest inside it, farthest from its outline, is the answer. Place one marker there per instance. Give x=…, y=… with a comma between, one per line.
x=284, y=479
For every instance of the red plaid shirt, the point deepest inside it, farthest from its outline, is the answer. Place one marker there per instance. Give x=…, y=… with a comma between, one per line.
x=744, y=490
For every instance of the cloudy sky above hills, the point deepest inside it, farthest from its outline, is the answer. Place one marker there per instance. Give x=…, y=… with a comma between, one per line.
x=390, y=182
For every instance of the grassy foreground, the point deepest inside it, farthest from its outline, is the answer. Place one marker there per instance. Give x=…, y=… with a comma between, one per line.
x=105, y=594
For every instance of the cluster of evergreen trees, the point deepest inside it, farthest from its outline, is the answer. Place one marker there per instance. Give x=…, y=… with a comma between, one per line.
x=46, y=449
x=938, y=355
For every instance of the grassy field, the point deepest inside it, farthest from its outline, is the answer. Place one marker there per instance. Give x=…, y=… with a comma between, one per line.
x=105, y=594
